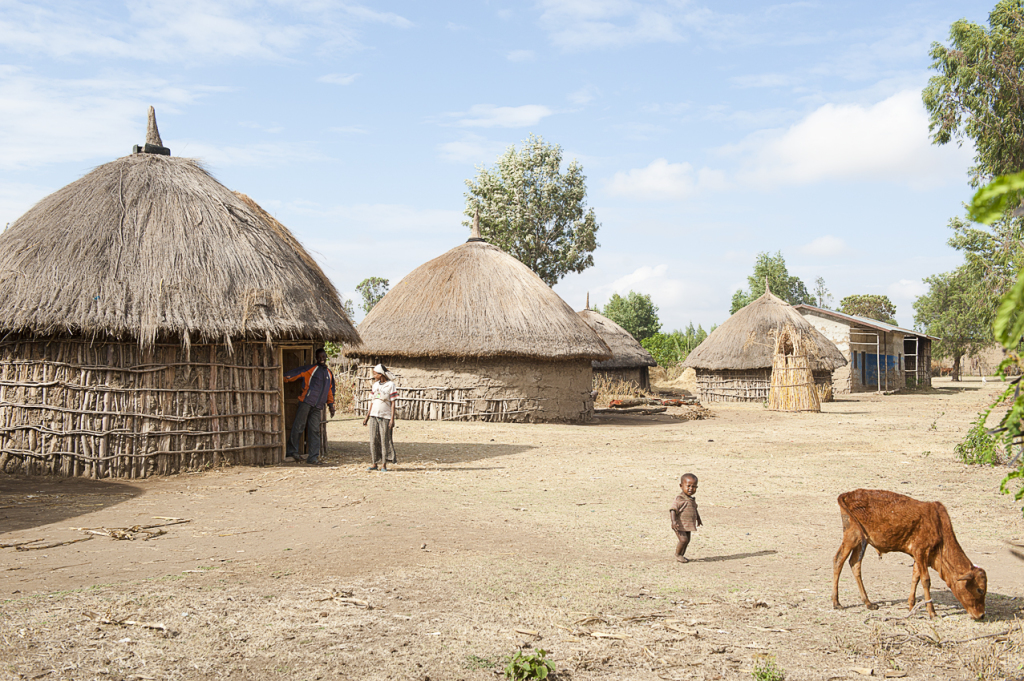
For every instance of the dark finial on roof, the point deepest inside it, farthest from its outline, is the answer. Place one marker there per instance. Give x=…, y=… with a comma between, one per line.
x=475, y=234
x=153, y=145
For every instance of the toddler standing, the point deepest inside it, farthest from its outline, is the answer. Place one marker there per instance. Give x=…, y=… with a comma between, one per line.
x=684, y=516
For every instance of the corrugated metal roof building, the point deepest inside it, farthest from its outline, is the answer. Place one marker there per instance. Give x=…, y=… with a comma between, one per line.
x=881, y=356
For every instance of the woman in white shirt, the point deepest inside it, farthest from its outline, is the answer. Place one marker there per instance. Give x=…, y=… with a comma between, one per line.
x=382, y=413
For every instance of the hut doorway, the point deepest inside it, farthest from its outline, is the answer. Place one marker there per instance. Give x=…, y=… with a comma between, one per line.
x=293, y=357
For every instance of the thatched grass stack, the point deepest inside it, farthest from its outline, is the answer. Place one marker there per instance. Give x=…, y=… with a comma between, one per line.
x=792, y=383
x=734, y=363
x=476, y=335
x=144, y=309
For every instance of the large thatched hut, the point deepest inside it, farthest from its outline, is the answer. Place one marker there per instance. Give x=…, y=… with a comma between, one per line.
x=629, y=362
x=147, y=314
x=734, y=363
x=476, y=335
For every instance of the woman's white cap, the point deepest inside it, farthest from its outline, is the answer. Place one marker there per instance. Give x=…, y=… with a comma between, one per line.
x=379, y=369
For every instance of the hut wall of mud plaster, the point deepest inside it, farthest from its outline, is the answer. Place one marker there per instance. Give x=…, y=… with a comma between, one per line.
x=71, y=407
x=498, y=389
x=750, y=385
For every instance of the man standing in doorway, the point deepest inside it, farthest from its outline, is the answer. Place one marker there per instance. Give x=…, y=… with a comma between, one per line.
x=317, y=391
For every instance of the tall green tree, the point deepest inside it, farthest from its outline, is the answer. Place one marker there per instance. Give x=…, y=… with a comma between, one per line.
x=950, y=311
x=532, y=210
x=635, y=313
x=870, y=306
x=822, y=296
x=978, y=92
x=372, y=289
x=773, y=269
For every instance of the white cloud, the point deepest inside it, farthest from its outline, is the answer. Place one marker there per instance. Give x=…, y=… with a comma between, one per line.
x=471, y=149
x=585, y=95
x=45, y=120
x=824, y=247
x=338, y=78
x=652, y=280
x=350, y=129
x=590, y=24
x=250, y=155
x=888, y=140
x=185, y=30
x=766, y=80
x=490, y=116
x=520, y=55
x=664, y=180
x=906, y=290
x=253, y=125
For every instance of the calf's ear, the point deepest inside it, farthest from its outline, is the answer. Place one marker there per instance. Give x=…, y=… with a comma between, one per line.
x=965, y=577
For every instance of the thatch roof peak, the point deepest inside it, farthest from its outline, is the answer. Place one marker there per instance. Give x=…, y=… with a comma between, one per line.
x=152, y=132
x=476, y=301
x=746, y=340
x=152, y=247
x=627, y=353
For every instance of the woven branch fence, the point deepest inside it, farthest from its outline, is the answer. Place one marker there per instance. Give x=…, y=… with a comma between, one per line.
x=101, y=410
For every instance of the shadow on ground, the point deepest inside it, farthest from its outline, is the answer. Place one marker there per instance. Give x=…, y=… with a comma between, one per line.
x=32, y=501
x=734, y=556
x=421, y=453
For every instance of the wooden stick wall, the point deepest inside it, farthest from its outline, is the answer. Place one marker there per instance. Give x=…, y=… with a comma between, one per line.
x=99, y=410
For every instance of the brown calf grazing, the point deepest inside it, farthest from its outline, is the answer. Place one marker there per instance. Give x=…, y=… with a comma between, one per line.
x=922, y=530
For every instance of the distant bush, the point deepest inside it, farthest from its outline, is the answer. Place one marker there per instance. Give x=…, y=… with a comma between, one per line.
x=669, y=349
x=978, y=447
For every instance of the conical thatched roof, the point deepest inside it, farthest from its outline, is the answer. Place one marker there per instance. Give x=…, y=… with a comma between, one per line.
x=152, y=247
x=627, y=353
x=746, y=340
x=476, y=301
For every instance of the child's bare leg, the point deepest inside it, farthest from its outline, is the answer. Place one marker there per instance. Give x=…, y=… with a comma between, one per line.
x=684, y=541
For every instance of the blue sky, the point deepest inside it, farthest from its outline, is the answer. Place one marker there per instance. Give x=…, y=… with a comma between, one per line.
x=708, y=132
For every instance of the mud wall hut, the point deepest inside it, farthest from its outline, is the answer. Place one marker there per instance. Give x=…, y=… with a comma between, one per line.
x=734, y=363
x=630, y=362
x=148, y=313
x=476, y=335
x=880, y=356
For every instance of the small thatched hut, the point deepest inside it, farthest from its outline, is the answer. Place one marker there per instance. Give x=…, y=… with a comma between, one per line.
x=147, y=314
x=630, y=361
x=734, y=363
x=476, y=335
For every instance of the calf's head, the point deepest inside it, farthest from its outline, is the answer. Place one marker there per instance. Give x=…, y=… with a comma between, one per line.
x=969, y=588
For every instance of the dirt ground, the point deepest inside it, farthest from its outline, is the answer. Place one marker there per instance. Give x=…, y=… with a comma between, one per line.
x=489, y=538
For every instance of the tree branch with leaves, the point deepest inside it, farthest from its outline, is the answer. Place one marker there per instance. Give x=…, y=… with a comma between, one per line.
x=535, y=212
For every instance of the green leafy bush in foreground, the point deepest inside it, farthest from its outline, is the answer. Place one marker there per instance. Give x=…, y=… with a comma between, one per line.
x=979, y=447
x=522, y=667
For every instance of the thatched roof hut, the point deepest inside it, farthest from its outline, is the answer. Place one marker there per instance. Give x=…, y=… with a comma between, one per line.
x=147, y=277
x=629, y=361
x=734, y=363
x=475, y=334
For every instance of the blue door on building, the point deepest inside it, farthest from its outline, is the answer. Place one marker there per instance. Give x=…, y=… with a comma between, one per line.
x=872, y=363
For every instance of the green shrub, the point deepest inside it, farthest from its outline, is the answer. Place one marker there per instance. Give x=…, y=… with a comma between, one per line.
x=765, y=669
x=978, y=447
x=522, y=667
